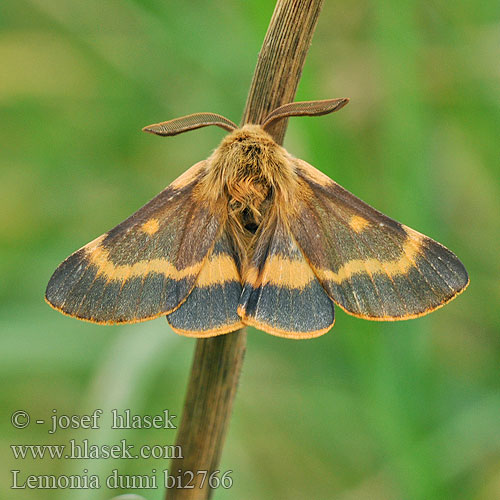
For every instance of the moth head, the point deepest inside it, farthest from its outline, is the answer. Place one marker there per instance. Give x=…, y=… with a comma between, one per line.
x=248, y=135
x=198, y=120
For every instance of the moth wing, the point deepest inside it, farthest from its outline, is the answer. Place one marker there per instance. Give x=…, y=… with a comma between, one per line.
x=144, y=267
x=210, y=308
x=369, y=264
x=281, y=295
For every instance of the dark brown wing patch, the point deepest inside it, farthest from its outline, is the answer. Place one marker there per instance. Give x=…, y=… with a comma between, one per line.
x=144, y=267
x=370, y=265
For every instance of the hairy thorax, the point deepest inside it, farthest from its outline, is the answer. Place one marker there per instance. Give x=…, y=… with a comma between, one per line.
x=248, y=177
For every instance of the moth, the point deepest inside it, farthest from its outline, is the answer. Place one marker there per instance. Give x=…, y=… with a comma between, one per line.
x=254, y=236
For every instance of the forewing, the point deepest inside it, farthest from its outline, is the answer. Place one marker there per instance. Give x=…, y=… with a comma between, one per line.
x=281, y=295
x=371, y=265
x=144, y=267
x=211, y=307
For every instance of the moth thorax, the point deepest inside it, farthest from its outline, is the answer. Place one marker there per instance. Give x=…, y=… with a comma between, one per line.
x=249, y=173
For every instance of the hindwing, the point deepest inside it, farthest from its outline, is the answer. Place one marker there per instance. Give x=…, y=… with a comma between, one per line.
x=281, y=295
x=211, y=306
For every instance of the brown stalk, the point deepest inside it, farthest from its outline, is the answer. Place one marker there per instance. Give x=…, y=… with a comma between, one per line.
x=217, y=361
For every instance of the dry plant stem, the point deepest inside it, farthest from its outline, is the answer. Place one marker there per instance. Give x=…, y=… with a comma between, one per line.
x=217, y=361
x=281, y=60
x=207, y=410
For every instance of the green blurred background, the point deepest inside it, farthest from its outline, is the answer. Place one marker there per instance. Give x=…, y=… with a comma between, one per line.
x=376, y=411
